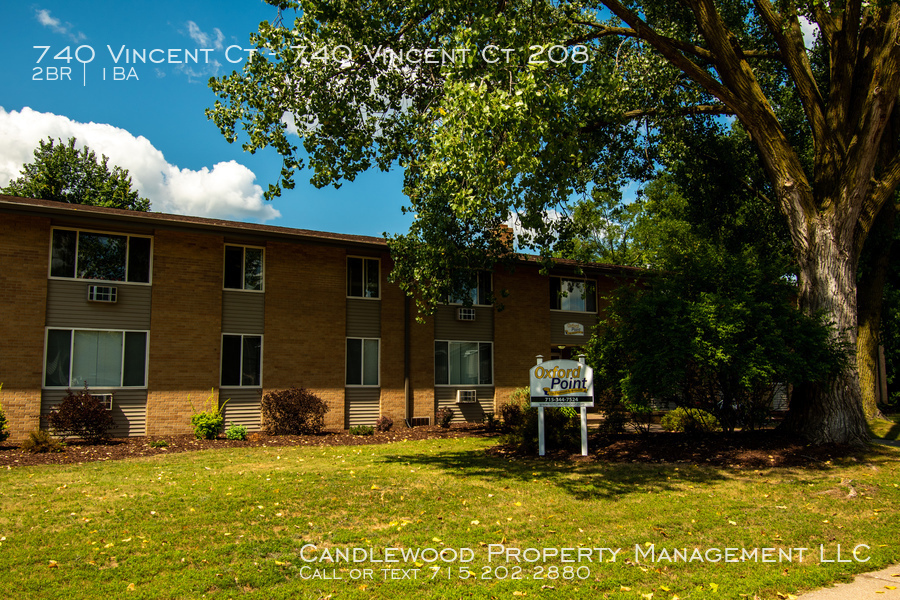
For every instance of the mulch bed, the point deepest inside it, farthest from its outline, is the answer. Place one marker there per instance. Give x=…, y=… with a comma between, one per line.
x=759, y=449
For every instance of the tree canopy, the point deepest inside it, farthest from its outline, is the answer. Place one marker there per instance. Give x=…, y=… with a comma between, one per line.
x=64, y=173
x=525, y=105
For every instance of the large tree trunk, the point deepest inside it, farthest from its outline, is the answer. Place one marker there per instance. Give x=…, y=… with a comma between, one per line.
x=870, y=293
x=830, y=412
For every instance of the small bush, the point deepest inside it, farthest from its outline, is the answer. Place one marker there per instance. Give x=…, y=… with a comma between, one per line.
x=236, y=432
x=295, y=411
x=512, y=411
x=362, y=430
x=384, y=424
x=41, y=441
x=490, y=421
x=562, y=430
x=159, y=444
x=615, y=415
x=4, y=424
x=690, y=420
x=81, y=415
x=208, y=422
x=444, y=416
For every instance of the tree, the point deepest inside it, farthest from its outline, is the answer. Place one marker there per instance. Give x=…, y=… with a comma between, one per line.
x=64, y=173
x=582, y=98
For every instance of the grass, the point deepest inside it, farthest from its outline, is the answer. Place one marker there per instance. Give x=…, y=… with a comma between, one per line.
x=234, y=523
x=887, y=428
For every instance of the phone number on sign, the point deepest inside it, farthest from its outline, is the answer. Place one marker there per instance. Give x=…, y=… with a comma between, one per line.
x=538, y=572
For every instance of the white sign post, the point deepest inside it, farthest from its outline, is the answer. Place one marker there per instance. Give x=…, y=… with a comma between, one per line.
x=562, y=383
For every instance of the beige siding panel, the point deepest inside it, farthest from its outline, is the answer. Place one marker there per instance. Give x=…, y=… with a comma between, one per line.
x=68, y=306
x=129, y=410
x=363, y=318
x=243, y=312
x=242, y=408
x=558, y=321
x=468, y=412
x=447, y=327
x=363, y=406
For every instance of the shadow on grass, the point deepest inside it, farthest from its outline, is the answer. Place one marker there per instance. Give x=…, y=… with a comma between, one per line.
x=581, y=480
x=658, y=462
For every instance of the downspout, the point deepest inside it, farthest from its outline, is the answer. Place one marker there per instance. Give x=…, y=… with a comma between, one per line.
x=407, y=392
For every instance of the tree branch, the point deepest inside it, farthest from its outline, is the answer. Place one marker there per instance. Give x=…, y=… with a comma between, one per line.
x=639, y=113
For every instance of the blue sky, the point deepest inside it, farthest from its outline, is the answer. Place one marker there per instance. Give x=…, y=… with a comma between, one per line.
x=149, y=117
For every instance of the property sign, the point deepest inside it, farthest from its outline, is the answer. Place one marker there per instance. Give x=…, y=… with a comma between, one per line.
x=562, y=383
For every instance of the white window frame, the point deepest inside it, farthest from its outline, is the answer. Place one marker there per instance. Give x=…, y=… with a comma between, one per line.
x=262, y=342
x=72, y=361
x=347, y=278
x=78, y=233
x=466, y=385
x=262, y=287
x=362, y=365
x=582, y=281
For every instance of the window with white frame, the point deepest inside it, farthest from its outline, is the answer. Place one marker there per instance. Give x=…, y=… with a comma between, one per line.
x=463, y=363
x=100, y=256
x=477, y=295
x=362, y=277
x=241, y=360
x=244, y=267
x=98, y=358
x=574, y=295
x=362, y=361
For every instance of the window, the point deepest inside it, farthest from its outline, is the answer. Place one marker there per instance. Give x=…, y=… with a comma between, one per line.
x=575, y=295
x=362, y=361
x=477, y=295
x=362, y=277
x=463, y=363
x=241, y=360
x=100, y=256
x=243, y=268
x=75, y=357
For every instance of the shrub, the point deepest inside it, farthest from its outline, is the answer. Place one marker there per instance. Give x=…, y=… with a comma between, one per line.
x=159, y=444
x=4, y=424
x=362, y=430
x=490, y=421
x=512, y=411
x=208, y=421
x=444, y=416
x=41, y=441
x=81, y=415
x=615, y=415
x=562, y=430
x=295, y=411
x=690, y=420
x=236, y=432
x=384, y=424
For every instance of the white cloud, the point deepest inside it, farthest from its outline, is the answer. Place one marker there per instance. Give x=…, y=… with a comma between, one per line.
x=810, y=31
x=227, y=190
x=44, y=18
x=204, y=39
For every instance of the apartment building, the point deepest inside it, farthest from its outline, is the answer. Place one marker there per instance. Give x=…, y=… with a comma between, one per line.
x=157, y=311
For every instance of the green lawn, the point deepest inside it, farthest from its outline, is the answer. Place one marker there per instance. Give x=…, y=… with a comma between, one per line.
x=239, y=523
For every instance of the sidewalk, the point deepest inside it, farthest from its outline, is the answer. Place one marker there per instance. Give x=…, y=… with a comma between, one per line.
x=866, y=586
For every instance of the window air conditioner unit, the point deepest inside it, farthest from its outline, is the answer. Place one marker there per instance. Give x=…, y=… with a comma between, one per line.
x=465, y=314
x=102, y=293
x=465, y=396
x=105, y=399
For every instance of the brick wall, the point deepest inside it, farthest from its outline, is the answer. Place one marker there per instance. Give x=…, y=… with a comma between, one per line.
x=25, y=256
x=305, y=336
x=185, y=327
x=521, y=329
x=393, y=395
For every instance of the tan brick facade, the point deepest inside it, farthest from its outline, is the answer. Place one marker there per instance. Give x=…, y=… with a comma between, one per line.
x=25, y=259
x=185, y=327
x=521, y=329
x=304, y=343
x=303, y=315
